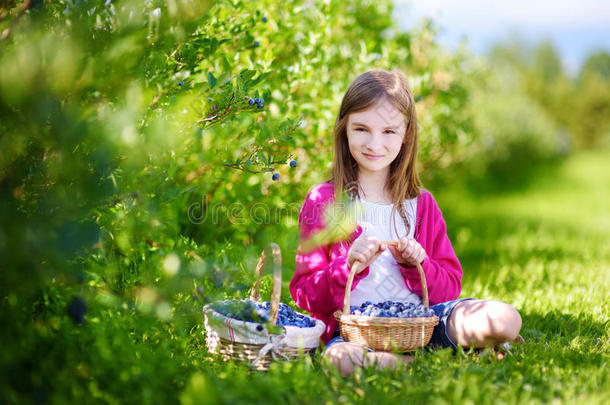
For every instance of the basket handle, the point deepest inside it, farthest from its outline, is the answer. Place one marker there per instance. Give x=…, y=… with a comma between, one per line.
x=357, y=266
x=277, y=280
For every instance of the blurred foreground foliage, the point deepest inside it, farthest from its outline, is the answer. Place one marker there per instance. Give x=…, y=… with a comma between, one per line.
x=135, y=175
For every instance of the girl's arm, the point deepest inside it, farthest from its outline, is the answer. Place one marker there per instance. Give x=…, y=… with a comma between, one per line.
x=441, y=266
x=320, y=277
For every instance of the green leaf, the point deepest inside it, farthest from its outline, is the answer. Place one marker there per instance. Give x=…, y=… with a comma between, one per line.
x=186, y=190
x=259, y=78
x=211, y=80
x=226, y=66
x=274, y=329
x=340, y=222
x=247, y=74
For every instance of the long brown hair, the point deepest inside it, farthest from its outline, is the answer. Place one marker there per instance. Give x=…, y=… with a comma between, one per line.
x=366, y=90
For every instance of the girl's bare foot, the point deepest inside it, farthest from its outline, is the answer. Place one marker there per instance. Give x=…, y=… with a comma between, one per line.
x=348, y=356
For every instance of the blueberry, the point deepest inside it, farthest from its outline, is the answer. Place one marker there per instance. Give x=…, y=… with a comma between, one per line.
x=261, y=100
x=181, y=83
x=259, y=105
x=214, y=108
x=259, y=328
x=265, y=19
x=256, y=43
x=77, y=308
x=293, y=163
x=251, y=101
x=418, y=98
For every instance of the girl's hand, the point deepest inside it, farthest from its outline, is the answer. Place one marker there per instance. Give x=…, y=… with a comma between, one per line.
x=408, y=252
x=365, y=249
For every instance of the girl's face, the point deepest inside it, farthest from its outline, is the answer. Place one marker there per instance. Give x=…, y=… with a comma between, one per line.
x=375, y=136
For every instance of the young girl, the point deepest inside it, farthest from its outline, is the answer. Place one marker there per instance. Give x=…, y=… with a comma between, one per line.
x=375, y=162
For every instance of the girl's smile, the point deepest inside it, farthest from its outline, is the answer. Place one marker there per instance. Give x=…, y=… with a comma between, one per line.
x=373, y=157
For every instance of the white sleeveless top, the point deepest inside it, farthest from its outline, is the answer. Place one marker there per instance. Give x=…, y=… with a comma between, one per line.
x=385, y=281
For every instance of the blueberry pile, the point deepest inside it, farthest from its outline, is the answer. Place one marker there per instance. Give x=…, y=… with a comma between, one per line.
x=392, y=309
x=285, y=315
x=258, y=312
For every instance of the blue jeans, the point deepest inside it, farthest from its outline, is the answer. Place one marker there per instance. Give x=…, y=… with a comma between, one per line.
x=440, y=338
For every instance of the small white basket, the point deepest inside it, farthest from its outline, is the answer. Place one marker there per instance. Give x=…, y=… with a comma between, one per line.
x=251, y=342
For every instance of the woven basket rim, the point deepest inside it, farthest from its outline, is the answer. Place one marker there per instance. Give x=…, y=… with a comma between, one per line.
x=363, y=320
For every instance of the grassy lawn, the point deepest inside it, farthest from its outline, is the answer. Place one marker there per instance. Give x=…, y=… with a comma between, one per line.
x=544, y=250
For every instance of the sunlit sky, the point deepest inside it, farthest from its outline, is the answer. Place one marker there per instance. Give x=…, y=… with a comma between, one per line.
x=576, y=27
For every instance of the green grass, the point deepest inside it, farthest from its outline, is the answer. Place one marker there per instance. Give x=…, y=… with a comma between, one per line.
x=544, y=250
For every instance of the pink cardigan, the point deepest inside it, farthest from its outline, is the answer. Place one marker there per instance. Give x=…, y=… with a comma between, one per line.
x=318, y=284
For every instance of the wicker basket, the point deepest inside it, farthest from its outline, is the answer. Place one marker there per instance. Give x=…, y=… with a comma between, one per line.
x=250, y=342
x=385, y=333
